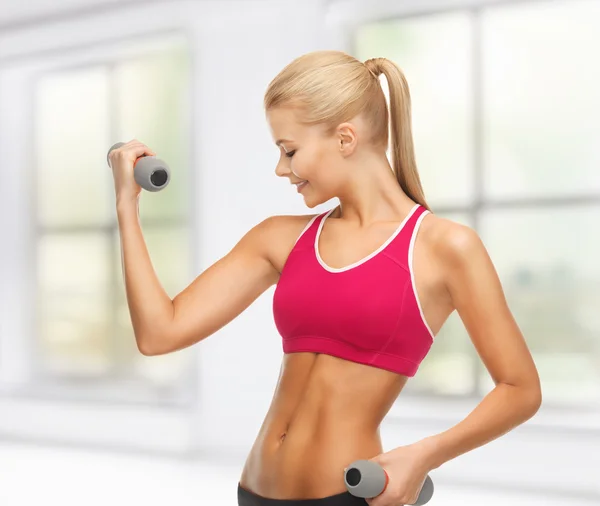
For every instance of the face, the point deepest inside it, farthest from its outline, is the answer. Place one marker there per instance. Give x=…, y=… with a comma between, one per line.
x=307, y=153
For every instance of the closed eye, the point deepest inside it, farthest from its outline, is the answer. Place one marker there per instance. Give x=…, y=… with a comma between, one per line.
x=289, y=154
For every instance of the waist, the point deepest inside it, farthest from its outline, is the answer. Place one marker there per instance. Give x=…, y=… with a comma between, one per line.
x=305, y=459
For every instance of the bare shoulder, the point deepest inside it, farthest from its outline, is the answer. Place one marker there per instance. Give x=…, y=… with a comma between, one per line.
x=452, y=242
x=287, y=223
x=458, y=256
x=278, y=234
x=476, y=292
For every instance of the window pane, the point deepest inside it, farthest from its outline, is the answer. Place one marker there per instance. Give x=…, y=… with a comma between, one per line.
x=73, y=304
x=83, y=315
x=434, y=53
x=73, y=333
x=169, y=250
x=449, y=368
x=552, y=283
x=540, y=77
x=71, y=129
x=73, y=264
x=153, y=107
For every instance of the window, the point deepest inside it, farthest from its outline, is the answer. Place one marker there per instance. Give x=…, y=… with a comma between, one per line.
x=84, y=331
x=504, y=110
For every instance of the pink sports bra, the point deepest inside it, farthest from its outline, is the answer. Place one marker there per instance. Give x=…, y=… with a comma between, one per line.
x=367, y=312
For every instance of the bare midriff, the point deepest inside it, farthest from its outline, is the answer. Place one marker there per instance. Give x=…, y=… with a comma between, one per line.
x=326, y=413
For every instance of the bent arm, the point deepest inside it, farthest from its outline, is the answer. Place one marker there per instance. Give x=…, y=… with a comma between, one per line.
x=479, y=299
x=219, y=294
x=150, y=307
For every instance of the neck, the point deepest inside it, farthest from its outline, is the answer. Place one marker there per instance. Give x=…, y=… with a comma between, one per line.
x=372, y=194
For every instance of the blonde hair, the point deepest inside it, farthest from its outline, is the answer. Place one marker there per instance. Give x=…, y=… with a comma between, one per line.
x=331, y=87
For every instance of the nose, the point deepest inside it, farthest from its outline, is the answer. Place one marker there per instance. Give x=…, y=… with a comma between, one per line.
x=282, y=168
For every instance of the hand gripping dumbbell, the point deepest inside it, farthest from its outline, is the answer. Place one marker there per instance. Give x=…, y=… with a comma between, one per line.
x=149, y=172
x=367, y=479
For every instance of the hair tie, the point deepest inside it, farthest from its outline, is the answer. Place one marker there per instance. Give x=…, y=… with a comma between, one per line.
x=373, y=65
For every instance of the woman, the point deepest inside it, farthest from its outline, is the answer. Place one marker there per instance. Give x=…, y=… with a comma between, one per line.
x=362, y=290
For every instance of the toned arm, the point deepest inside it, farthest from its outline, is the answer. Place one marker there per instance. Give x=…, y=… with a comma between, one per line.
x=213, y=299
x=224, y=290
x=478, y=297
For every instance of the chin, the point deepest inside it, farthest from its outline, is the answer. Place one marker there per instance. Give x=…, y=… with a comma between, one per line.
x=314, y=201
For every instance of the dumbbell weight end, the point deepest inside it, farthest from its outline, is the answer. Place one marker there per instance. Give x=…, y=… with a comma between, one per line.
x=151, y=173
x=367, y=479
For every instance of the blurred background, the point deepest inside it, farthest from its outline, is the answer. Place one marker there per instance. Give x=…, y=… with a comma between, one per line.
x=505, y=114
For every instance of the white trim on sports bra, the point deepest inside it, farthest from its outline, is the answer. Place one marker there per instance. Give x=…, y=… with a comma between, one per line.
x=368, y=257
x=411, y=249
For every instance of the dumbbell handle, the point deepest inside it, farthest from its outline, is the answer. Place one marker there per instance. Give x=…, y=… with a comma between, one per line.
x=149, y=172
x=367, y=479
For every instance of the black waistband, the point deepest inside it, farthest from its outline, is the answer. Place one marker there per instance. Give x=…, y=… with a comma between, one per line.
x=247, y=498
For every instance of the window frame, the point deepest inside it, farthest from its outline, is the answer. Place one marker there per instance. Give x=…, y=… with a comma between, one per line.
x=106, y=391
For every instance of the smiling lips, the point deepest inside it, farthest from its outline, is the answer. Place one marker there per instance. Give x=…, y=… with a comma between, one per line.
x=300, y=185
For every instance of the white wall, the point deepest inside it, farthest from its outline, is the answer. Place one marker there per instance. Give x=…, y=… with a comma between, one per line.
x=239, y=46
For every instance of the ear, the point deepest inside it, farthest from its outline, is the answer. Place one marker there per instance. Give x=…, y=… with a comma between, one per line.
x=347, y=139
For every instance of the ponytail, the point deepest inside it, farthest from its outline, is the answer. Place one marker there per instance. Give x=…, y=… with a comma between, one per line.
x=402, y=147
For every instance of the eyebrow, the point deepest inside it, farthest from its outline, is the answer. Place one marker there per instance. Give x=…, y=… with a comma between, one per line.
x=279, y=141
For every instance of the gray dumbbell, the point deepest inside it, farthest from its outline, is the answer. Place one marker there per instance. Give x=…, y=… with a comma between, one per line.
x=149, y=172
x=367, y=479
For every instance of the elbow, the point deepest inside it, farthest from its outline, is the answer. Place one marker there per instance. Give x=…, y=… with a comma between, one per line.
x=154, y=337
x=536, y=393
x=533, y=399
x=163, y=339
x=527, y=399
x=146, y=349
x=151, y=344
x=536, y=402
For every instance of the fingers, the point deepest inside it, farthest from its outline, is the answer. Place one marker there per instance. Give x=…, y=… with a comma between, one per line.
x=130, y=151
x=135, y=144
x=139, y=148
